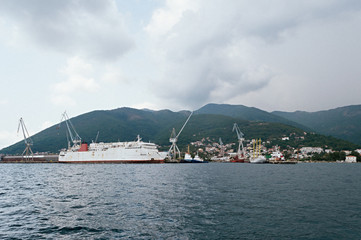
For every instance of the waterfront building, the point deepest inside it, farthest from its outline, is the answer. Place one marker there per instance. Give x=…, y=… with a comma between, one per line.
x=351, y=159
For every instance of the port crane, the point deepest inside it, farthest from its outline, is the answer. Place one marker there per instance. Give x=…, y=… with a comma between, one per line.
x=240, y=140
x=28, y=141
x=174, y=150
x=221, y=146
x=71, y=132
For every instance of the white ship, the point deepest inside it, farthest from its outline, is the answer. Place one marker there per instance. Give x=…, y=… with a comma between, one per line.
x=257, y=157
x=113, y=152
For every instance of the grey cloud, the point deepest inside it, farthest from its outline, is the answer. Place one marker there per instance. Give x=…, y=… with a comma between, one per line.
x=208, y=78
x=218, y=47
x=89, y=28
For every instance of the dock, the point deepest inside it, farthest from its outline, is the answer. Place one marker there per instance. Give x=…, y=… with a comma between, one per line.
x=282, y=162
x=51, y=158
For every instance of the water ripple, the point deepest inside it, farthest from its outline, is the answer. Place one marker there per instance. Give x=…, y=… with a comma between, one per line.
x=180, y=201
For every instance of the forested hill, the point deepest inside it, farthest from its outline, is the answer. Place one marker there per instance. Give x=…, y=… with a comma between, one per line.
x=246, y=113
x=124, y=124
x=343, y=122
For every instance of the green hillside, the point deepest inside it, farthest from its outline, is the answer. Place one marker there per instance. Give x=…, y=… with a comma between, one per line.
x=344, y=122
x=246, y=113
x=124, y=124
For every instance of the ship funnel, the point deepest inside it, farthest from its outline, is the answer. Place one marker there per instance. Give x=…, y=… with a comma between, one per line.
x=83, y=147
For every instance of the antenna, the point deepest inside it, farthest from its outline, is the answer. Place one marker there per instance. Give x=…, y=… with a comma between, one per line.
x=174, y=150
x=27, y=140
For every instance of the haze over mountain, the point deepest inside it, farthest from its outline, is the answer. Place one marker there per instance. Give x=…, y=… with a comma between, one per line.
x=213, y=121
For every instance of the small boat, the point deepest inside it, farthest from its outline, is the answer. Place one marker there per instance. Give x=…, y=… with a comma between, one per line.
x=277, y=155
x=197, y=159
x=239, y=159
x=188, y=158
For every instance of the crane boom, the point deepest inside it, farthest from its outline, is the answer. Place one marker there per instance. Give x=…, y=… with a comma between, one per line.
x=25, y=132
x=240, y=135
x=27, y=139
x=238, y=131
x=174, y=150
x=184, y=124
x=74, y=136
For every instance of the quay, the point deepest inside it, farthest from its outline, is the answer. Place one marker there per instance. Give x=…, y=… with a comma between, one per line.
x=282, y=162
x=51, y=158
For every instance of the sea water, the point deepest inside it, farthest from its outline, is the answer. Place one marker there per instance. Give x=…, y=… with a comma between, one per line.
x=180, y=201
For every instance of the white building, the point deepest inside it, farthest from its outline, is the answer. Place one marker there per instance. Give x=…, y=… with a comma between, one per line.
x=351, y=159
x=306, y=150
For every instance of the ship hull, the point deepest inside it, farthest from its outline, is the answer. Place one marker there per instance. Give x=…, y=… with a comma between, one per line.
x=259, y=159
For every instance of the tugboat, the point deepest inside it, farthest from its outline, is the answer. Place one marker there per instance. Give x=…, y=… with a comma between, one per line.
x=188, y=158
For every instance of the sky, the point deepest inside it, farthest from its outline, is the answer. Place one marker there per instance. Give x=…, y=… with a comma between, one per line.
x=84, y=55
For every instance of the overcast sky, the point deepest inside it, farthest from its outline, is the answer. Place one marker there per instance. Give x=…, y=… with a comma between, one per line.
x=84, y=55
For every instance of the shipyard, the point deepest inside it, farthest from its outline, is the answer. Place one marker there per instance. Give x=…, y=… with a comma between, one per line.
x=137, y=151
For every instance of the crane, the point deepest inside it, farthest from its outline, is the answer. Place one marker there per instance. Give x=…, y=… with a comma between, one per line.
x=28, y=141
x=240, y=140
x=174, y=150
x=221, y=146
x=71, y=132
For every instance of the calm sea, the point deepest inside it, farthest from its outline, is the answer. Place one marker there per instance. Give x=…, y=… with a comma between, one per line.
x=180, y=201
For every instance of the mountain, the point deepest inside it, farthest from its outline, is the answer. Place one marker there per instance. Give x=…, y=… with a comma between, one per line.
x=124, y=124
x=246, y=113
x=343, y=122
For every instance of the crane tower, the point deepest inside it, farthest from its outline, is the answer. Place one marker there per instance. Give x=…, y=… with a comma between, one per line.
x=27, y=153
x=240, y=140
x=174, y=150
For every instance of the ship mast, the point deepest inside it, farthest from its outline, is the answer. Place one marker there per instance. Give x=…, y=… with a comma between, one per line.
x=28, y=141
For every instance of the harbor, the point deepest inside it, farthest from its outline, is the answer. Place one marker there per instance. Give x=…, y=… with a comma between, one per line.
x=206, y=150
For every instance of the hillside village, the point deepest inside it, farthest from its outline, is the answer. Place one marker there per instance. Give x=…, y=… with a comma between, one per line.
x=210, y=149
